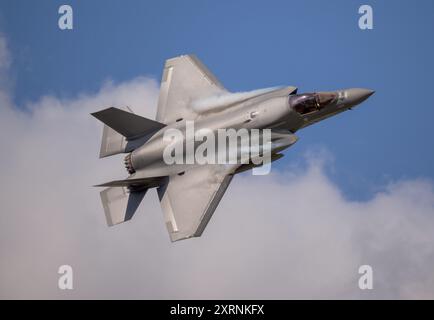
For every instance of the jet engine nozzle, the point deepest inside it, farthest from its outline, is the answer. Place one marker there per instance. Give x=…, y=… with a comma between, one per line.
x=129, y=164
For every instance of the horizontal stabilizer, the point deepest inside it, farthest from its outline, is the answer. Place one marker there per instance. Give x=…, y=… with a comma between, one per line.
x=120, y=204
x=129, y=125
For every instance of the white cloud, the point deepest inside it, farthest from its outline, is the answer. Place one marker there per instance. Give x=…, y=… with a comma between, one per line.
x=287, y=235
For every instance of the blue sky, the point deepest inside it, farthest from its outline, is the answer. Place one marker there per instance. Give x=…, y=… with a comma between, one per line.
x=314, y=45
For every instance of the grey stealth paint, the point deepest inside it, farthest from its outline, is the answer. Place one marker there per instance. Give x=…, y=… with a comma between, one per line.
x=190, y=193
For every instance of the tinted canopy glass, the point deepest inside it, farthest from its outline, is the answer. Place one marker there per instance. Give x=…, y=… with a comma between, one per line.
x=311, y=102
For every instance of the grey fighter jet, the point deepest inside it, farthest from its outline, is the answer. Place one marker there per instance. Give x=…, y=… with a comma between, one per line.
x=190, y=193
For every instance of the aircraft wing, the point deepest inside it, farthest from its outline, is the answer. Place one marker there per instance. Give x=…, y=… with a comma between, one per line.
x=184, y=79
x=189, y=200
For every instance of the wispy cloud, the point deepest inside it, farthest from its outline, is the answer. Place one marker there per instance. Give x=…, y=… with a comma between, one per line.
x=221, y=101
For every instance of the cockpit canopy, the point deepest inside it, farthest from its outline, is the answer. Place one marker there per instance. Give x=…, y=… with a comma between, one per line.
x=311, y=102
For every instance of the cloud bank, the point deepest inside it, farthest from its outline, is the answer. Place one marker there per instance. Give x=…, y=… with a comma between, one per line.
x=287, y=235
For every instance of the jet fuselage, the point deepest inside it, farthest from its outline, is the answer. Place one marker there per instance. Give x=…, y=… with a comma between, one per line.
x=276, y=110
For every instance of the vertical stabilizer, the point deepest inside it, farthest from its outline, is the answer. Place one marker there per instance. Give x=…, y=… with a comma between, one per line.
x=111, y=142
x=120, y=127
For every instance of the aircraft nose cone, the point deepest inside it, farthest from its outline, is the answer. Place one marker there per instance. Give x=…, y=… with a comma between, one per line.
x=357, y=95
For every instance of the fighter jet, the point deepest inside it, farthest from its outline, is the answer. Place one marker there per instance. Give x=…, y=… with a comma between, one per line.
x=190, y=193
